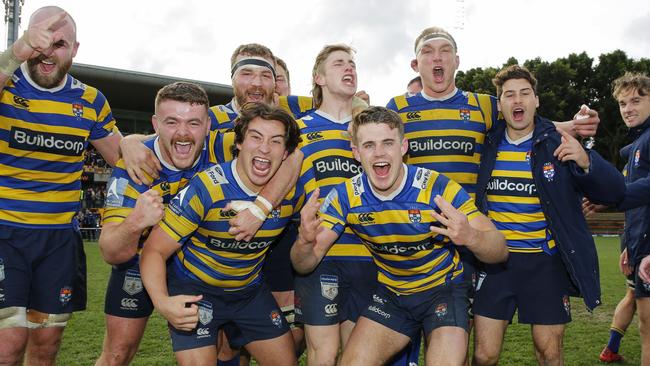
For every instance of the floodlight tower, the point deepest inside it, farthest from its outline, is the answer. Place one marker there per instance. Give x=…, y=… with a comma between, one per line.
x=12, y=18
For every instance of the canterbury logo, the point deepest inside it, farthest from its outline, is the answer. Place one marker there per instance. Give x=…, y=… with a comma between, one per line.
x=331, y=309
x=366, y=218
x=413, y=116
x=314, y=136
x=21, y=102
x=129, y=303
x=203, y=331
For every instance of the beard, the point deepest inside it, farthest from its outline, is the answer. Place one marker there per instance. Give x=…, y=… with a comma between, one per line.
x=51, y=80
x=242, y=99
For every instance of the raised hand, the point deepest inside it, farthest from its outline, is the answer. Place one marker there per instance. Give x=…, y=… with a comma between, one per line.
x=455, y=224
x=40, y=38
x=149, y=208
x=585, y=122
x=309, y=220
x=571, y=149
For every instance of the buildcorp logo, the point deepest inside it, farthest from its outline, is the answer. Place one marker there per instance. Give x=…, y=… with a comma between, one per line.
x=237, y=246
x=442, y=145
x=336, y=166
x=519, y=187
x=55, y=143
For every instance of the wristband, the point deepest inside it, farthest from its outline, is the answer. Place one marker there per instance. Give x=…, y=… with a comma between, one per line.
x=264, y=202
x=9, y=62
x=240, y=206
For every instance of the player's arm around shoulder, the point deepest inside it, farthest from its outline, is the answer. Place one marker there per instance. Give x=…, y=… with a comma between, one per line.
x=313, y=240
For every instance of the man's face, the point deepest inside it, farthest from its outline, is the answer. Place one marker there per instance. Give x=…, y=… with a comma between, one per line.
x=181, y=128
x=49, y=72
x=339, y=74
x=261, y=152
x=282, y=87
x=518, y=104
x=635, y=109
x=414, y=87
x=380, y=150
x=252, y=83
x=437, y=63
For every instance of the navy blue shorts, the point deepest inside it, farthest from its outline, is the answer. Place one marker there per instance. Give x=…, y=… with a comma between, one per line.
x=252, y=311
x=444, y=305
x=42, y=269
x=278, y=271
x=641, y=289
x=334, y=292
x=537, y=285
x=126, y=297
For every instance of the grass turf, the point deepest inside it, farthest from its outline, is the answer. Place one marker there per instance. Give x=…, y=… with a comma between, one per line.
x=584, y=338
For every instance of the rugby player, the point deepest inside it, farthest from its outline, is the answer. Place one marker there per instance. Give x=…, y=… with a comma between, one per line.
x=282, y=80
x=49, y=118
x=632, y=91
x=392, y=208
x=212, y=278
x=531, y=183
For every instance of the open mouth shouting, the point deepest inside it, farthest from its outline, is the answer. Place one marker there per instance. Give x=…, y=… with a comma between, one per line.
x=438, y=74
x=518, y=114
x=261, y=166
x=381, y=169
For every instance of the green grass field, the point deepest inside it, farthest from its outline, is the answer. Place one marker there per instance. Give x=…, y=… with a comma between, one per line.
x=584, y=339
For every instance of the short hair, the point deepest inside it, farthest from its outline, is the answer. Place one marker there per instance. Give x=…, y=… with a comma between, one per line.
x=250, y=111
x=317, y=90
x=417, y=79
x=377, y=115
x=435, y=30
x=513, y=72
x=252, y=49
x=280, y=62
x=630, y=80
x=182, y=91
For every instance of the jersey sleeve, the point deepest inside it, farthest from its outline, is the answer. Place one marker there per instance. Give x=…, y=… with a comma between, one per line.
x=459, y=198
x=332, y=210
x=221, y=145
x=121, y=195
x=105, y=123
x=186, y=211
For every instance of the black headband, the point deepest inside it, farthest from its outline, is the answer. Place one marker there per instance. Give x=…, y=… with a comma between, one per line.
x=252, y=61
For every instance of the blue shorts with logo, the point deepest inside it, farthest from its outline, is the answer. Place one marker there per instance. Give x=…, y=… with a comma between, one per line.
x=126, y=297
x=251, y=312
x=42, y=269
x=334, y=292
x=278, y=271
x=537, y=285
x=444, y=305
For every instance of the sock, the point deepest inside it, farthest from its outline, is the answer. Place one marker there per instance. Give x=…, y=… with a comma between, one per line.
x=615, y=336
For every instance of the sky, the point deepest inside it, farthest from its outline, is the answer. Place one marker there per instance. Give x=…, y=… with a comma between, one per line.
x=194, y=39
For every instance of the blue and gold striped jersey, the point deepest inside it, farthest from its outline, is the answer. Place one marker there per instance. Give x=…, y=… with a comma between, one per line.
x=447, y=135
x=43, y=136
x=223, y=116
x=122, y=191
x=197, y=220
x=328, y=161
x=513, y=203
x=410, y=258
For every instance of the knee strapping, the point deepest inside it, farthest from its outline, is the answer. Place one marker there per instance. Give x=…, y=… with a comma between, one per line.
x=13, y=317
x=36, y=319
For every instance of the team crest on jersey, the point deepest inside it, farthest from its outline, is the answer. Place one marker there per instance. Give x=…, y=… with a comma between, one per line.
x=115, y=192
x=132, y=282
x=276, y=318
x=77, y=110
x=464, y=114
x=275, y=213
x=65, y=294
x=528, y=154
x=637, y=158
x=357, y=185
x=549, y=171
x=329, y=286
x=567, y=304
x=415, y=216
x=205, y=312
x=2, y=270
x=441, y=310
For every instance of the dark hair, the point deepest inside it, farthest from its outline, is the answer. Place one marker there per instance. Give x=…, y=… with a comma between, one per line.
x=513, y=72
x=183, y=92
x=250, y=111
x=377, y=115
x=417, y=79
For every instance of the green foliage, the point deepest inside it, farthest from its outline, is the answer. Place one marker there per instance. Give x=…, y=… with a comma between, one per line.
x=584, y=338
x=567, y=83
